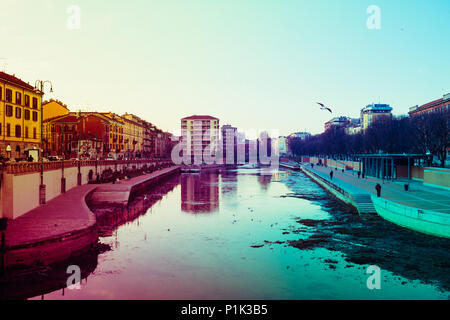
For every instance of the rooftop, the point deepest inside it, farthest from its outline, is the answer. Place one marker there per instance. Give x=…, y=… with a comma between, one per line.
x=377, y=107
x=199, y=117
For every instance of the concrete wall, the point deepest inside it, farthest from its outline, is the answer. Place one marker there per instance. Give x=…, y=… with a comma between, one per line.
x=425, y=221
x=19, y=192
x=437, y=177
x=340, y=164
x=416, y=172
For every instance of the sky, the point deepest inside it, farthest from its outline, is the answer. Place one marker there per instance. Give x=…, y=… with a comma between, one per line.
x=255, y=64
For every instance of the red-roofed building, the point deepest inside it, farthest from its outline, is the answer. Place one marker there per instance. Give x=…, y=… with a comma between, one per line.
x=442, y=104
x=199, y=132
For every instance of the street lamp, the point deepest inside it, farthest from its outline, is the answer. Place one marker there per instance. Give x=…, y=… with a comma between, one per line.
x=39, y=86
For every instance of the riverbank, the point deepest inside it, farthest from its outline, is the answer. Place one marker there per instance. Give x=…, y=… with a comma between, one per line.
x=422, y=208
x=65, y=226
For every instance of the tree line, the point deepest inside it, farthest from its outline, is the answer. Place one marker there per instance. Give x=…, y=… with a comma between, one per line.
x=427, y=133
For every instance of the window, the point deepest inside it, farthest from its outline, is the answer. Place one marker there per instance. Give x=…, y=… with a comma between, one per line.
x=18, y=131
x=34, y=133
x=8, y=130
x=35, y=103
x=8, y=95
x=18, y=98
x=27, y=100
x=1, y=93
x=26, y=114
x=26, y=132
x=35, y=116
x=18, y=112
x=9, y=111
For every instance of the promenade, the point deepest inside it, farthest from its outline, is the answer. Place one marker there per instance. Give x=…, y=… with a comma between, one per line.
x=62, y=226
x=418, y=195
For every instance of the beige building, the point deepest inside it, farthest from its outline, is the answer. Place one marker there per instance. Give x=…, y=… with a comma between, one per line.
x=199, y=132
x=374, y=112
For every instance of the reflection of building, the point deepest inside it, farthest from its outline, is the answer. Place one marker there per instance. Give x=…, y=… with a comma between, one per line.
x=374, y=112
x=228, y=184
x=200, y=192
x=20, y=113
x=198, y=133
x=264, y=180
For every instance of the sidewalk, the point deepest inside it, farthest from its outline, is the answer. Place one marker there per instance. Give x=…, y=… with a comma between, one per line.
x=64, y=214
x=63, y=226
x=418, y=196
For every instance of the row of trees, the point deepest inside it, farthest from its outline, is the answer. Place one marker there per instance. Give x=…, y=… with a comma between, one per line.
x=425, y=133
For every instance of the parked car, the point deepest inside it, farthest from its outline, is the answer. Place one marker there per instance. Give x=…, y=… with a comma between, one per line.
x=54, y=158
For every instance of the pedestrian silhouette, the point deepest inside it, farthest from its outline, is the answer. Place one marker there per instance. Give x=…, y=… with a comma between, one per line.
x=359, y=174
x=378, y=188
x=331, y=175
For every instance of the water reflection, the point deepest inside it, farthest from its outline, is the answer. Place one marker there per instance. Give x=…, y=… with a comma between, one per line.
x=200, y=192
x=40, y=281
x=245, y=250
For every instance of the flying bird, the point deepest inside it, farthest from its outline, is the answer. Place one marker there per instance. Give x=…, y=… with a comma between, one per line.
x=323, y=107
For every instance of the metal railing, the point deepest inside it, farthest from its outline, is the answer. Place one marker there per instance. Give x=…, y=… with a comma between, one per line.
x=32, y=167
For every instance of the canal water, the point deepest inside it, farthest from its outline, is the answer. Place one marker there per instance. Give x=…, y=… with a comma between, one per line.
x=241, y=234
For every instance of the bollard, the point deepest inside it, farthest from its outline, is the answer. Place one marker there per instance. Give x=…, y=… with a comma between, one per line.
x=63, y=185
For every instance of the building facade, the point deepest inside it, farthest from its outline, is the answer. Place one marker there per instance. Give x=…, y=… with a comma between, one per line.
x=229, y=142
x=442, y=104
x=20, y=118
x=374, y=112
x=53, y=109
x=199, y=132
x=337, y=122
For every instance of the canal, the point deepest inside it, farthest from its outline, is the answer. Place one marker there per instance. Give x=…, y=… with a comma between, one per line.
x=241, y=234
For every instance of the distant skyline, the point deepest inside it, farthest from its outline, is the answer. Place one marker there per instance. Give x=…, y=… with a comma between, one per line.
x=253, y=64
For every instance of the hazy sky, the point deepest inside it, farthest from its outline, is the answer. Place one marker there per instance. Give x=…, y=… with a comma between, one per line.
x=252, y=63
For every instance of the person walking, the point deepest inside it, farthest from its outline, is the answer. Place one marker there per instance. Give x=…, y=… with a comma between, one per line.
x=331, y=175
x=378, y=188
x=359, y=174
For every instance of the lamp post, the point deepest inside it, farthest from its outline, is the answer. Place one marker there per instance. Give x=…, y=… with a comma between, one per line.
x=39, y=86
x=63, y=180
x=79, y=147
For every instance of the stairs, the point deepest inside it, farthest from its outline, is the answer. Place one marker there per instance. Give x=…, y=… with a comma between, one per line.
x=364, y=203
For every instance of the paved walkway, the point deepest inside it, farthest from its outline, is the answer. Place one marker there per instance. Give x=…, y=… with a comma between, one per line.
x=66, y=214
x=418, y=196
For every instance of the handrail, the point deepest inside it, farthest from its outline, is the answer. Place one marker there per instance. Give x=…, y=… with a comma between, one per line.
x=32, y=167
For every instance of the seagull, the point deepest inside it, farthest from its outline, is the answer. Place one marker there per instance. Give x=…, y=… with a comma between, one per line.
x=323, y=107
